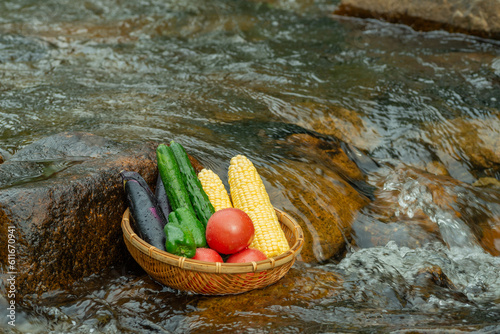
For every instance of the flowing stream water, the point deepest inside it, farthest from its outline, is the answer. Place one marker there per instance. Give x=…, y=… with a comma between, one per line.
x=419, y=112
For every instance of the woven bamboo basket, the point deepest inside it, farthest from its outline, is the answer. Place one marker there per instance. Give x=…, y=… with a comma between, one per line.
x=213, y=278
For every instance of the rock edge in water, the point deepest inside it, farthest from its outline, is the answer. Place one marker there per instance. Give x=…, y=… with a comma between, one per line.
x=67, y=225
x=474, y=17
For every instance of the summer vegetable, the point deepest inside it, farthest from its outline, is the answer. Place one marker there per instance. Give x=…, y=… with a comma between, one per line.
x=215, y=190
x=208, y=255
x=144, y=209
x=179, y=240
x=199, y=199
x=247, y=255
x=229, y=231
x=249, y=194
x=188, y=220
x=127, y=176
x=171, y=178
x=161, y=196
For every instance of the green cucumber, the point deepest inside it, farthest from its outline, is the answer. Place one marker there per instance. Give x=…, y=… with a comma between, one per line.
x=171, y=178
x=187, y=219
x=197, y=196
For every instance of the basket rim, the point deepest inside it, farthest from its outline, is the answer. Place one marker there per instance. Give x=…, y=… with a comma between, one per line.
x=217, y=267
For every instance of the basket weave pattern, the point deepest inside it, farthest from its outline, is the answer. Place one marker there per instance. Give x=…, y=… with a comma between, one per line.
x=213, y=278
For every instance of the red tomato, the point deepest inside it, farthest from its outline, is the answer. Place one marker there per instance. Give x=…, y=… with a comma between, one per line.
x=207, y=254
x=229, y=231
x=247, y=255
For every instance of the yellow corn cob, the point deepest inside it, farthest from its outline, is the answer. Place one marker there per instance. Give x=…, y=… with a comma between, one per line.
x=215, y=189
x=249, y=194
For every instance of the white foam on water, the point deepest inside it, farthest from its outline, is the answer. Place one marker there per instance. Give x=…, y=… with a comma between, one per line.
x=414, y=196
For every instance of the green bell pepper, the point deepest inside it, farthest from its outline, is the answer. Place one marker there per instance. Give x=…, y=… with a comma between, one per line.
x=187, y=220
x=179, y=241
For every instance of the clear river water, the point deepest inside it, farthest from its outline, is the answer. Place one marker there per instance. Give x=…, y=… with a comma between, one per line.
x=419, y=112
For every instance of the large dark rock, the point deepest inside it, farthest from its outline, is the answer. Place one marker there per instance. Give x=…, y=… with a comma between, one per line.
x=477, y=17
x=64, y=197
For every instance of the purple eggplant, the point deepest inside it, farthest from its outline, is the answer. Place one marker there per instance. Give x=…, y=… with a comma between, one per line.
x=146, y=213
x=161, y=196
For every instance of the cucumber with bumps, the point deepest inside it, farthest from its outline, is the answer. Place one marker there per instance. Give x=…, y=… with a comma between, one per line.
x=197, y=196
x=171, y=178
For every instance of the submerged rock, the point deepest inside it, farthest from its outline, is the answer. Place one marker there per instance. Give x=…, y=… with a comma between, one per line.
x=474, y=143
x=322, y=194
x=325, y=152
x=4, y=155
x=346, y=125
x=487, y=182
x=51, y=155
x=433, y=276
x=67, y=223
x=413, y=208
x=17, y=48
x=491, y=237
x=302, y=285
x=429, y=279
x=477, y=17
x=411, y=233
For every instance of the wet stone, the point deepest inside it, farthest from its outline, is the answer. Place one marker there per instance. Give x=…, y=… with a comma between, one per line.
x=329, y=153
x=346, y=125
x=414, y=233
x=477, y=17
x=4, y=155
x=476, y=139
x=491, y=238
x=16, y=48
x=488, y=182
x=302, y=285
x=318, y=195
x=414, y=208
x=434, y=276
x=67, y=225
x=53, y=154
x=68, y=145
x=432, y=281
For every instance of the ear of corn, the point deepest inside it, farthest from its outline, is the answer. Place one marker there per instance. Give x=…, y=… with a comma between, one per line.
x=215, y=189
x=249, y=194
